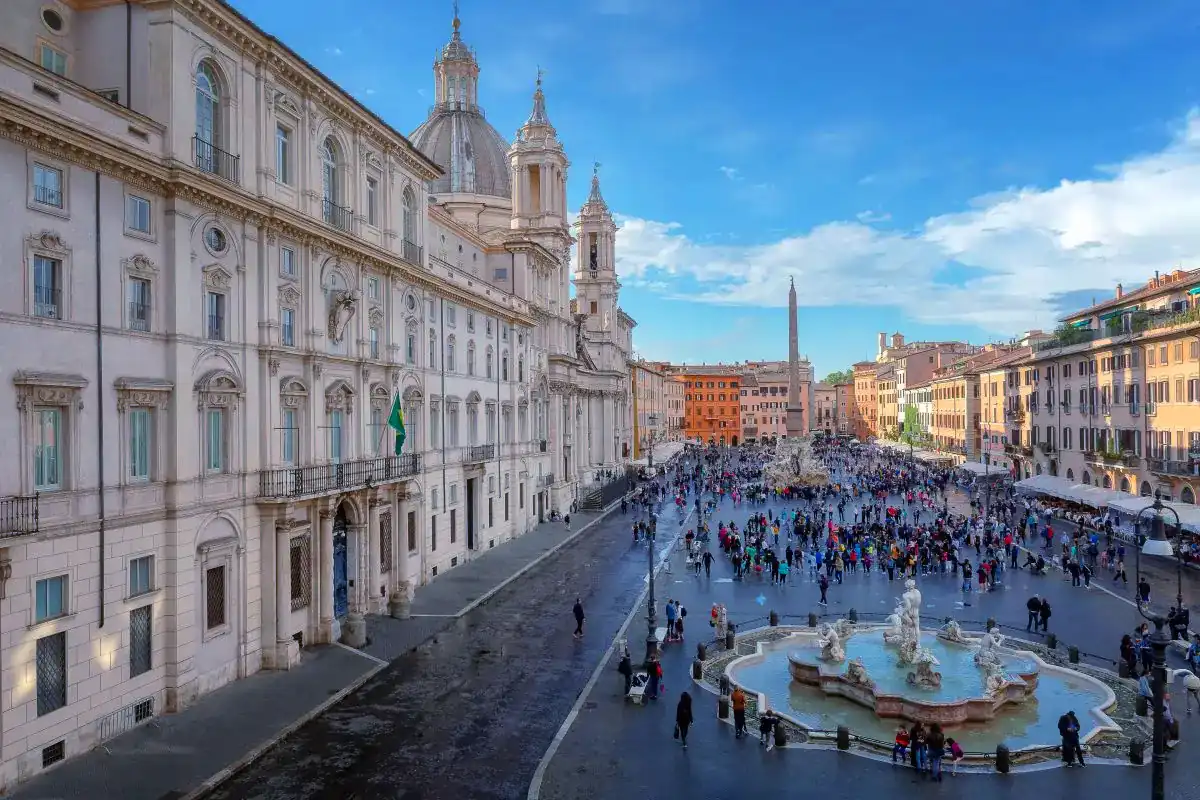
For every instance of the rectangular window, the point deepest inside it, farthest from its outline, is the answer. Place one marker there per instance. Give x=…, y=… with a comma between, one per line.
x=137, y=213
x=412, y=531
x=51, y=673
x=287, y=261
x=47, y=455
x=453, y=525
x=287, y=327
x=373, y=288
x=451, y=316
x=140, y=640
x=373, y=342
x=470, y=322
x=372, y=202
x=283, y=154
x=141, y=576
x=214, y=597
x=289, y=436
x=410, y=348
x=376, y=431
x=139, y=444
x=47, y=186
x=300, y=565
x=335, y=435
x=52, y=59
x=215, y=440
x=433, y=533
x=50, y=599
x=506, y=506
x=214, y=316
x=139, y=304
x=47, y=288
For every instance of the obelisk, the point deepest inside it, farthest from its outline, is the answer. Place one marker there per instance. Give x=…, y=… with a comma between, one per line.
x=795, y=411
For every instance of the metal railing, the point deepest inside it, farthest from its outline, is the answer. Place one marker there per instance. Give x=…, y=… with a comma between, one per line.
x=1162, y=466
x=339, y=217
x=124, y=719
x=479, y=452
x=215, y=161
x=139, y=316
x=545, y=480
x=47, y=302
x=412, y=253
x=318, y=479
x=47, y=196
x=18, y=515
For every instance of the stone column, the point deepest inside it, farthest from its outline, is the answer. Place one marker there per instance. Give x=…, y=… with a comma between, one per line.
x=325, y=578
x=398, y=597
x=374, y=551
x=287, y=649
x=355, y=632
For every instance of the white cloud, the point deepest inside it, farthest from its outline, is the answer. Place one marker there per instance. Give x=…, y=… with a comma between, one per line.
x=333, y=51
x=729, y=172
x=1000, y=263
x=869, y=217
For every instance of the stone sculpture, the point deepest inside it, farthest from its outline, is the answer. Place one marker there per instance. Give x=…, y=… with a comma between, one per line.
x=856, y=673
x=910, y=623
x=844, y=628
x=830, y=643
x=952, y=632
x=988, y=653
x=894, y=631
x=994, y=679
x=925, y=677
x=342, y=307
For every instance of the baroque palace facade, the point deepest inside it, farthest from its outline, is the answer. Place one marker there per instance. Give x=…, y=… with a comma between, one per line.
x=229, y=270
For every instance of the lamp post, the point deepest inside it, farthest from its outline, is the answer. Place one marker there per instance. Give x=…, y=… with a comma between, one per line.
x=651, y=614
x=1157, y=545
x=652, y=422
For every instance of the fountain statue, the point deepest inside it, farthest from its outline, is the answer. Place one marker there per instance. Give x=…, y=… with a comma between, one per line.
x=894, y=631
x=925, y=677
x=910, y=623
x=830, y=643
x=988, y=653
x=952, y=632
x=856, y=673
x=994, y=679
x=844, y=628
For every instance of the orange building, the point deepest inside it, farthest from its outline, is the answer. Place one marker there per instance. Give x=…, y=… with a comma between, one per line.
x=712, y=403
x=864, y=401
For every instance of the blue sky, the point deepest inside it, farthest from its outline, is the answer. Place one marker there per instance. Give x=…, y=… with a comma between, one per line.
x=941, y=168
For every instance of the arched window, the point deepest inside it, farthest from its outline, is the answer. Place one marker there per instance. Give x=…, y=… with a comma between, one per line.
x=1087, y=477
x=331, y=187
x=1124, y=484
x=208, y=107
x=1107, y=481
x=410, y=216
x=1071, y=475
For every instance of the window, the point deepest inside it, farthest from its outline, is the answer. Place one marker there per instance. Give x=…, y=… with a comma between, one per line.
x=214, y=456
x=287, y=261
x=47, y=186
x=287, y=327
x=452, y=428
x=372, y=202
x=470, y=322
x=139, y=444
x=504, y=366
x=52, y=59
x=373, y=342
x=141, y=576
x=331, y=190
x=51, y=599
x=488, y=364
x=435, y=427
x=283, y=154
x=376, y=431
x=289, y=436
x=47, y=288
x=47, y=458
x=300, y=563
x=215, y=241
x=372, y=288
x=140, y=641
x=471, y=358
x=137, y=214
x=410, y=216
x=214, y=316
x=432, y=350
x=451, y=316
x=214, y=597
x=410, y=346
x=51, y=673
x=335, y=435
x=139, y=304
x=208, y=118
x=450, y=363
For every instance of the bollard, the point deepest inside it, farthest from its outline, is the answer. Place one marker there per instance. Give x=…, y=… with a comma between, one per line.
x=1142, y=706
x=854, y=616
x=702, y=651
x=725, y=687
x=1051, y=641
x=1137, y=752
x=723, y=707
x=1123, y=670
x=1073, y=654
x=780, y=735
x=812, y=620
x=1003, y=759
x=697, y=669
x=773, y=619
x=991, y=623
x=843, y=737
x=729, y=639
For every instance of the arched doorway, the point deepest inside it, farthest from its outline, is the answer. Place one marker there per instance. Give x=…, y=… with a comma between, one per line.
x=1124, y=484
x=341, y=580
x=1037, y=468
x=1107, y=481
x=1146, y=490
x=1054, y=468
x=1087, y=477
x=734, y=441
x=1070, y=475
x=1186, y=495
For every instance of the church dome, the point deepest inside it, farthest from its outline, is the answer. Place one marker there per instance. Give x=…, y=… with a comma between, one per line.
x=472, y=153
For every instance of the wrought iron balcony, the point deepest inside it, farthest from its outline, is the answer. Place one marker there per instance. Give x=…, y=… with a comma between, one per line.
x=215, y=161
x=545, y=481
x=1046, y=447
x=318, y=479
x=335, y=215
x=412, y=252
x=1026, y=450
x=479, y=452
x=1183, y=469
x=18, y=515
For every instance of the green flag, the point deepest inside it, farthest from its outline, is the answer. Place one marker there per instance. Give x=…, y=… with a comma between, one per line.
x=396, y=422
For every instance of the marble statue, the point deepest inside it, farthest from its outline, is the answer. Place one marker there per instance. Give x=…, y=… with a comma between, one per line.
x=856, y=673
x=910, y=623
x=952, y=632
x=988, y=653
x=894, y=631
x=844, y=628
x=342, y=306
x=925, y=677
x=830, y=643
x=994, y=679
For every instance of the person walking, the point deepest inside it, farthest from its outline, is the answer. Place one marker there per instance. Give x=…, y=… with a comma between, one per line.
x=708, y=560
x=579, y=617
x=738, y=701
x=683, y=718
x=1034, y=607
x=823, y=585
x=1044, y=615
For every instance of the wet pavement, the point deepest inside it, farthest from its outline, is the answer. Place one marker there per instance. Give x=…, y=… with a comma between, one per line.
x=617, y=750
x=468, y=714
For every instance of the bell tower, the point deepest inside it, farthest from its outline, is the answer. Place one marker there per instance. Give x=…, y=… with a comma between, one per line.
x=596, y=285
x=539, y=171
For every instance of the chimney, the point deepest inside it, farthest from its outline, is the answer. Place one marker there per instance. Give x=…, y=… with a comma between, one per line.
x=1120, y=291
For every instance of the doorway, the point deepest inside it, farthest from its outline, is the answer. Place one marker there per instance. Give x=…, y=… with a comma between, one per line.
x=341, y=583
x=472, y=483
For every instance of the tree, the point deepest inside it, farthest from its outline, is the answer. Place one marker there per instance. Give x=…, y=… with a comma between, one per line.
x=840, y=376
x=911, y=432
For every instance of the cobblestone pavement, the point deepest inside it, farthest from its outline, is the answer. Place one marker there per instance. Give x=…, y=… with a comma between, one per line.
x=615, y=749
x=468, y=714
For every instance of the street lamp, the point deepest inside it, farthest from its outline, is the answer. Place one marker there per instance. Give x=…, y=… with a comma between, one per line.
x=1157, y=545
x=652, y=422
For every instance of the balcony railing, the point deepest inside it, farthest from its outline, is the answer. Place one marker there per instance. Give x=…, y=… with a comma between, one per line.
x=215, y=161
x=545, y=480
x=1026, y=451
x=318, y=479
x=1125, y=458
x=47, y=196
x=335, y=215
x=47, y=302
x=479, y=452
x=1186, y=469
x=18, y=515
x=1046, y=447
x=411, y=252
x=139, y=316
x=1014, y=414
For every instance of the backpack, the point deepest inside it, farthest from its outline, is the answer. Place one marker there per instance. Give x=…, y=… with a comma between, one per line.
x=683, y=611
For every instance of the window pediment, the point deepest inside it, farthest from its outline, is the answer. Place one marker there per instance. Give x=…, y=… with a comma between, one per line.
x=152, y=392
x=48, y=388
x=217, y=277
x=217, y=388
x=339, y=396
x=289, y=295
x=49, y=241
x=140, y=264
x=473, y=398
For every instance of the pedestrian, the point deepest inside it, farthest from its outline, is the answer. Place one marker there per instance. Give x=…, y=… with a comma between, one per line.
x=578, y=612
x=1034, y=607
x=1044, y=615
x=956, y=755
x=936, y=742
x=655, y=677
x=708, y=560
x=626, y=670
x=738, y=701
x=823, y=585
x=1068, y=729
x=683, y=718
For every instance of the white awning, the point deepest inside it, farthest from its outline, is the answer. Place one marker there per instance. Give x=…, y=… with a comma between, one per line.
x=1189, y=515
x=1047, y=484
x=1094, y=496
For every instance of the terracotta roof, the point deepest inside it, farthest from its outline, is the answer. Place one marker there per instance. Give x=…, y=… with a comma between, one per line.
x=1176, y=279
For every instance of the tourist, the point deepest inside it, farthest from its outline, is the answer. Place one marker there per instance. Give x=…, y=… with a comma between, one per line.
x=956, y=755
x=683, y=718
x=655, y=677
x=1044, y=615
x=936, y=743
x=1034, y=607
x=626, y=670
x=920, y=750
x=900, y=749
x=578, y=612
x=766, y=728
x=1191, y=689
x=1119, y=572
x=1068, y=729
x=1193, y=654
x=1172, y=724
x=823, y=585
x=1143, y=588
x=738, y=701
x=1129, y=654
